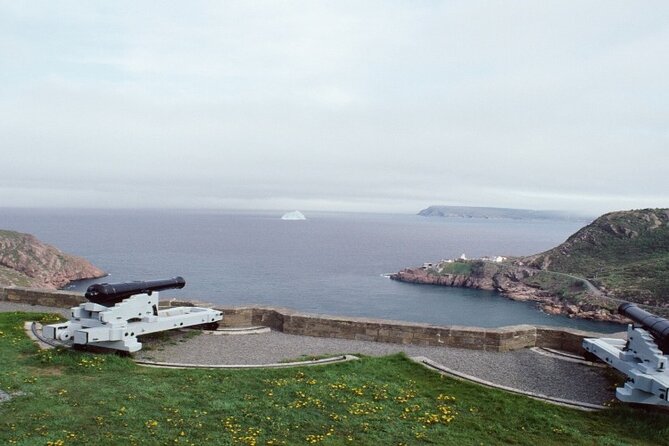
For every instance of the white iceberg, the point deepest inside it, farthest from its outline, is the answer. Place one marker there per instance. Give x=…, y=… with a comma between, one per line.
x=295, y=215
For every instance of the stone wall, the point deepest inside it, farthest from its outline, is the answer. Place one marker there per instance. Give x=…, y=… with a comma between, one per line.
x=292, y=322
x=566, y=339
x=491, y=339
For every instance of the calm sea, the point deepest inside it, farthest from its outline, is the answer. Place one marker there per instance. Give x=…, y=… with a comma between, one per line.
x=332, y=263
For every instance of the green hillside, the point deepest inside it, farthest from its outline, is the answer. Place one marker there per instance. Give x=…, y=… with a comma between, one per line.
x=623, y=253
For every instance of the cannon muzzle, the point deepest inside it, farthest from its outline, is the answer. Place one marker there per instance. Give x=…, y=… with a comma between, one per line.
x=109, y=294
x=657, y=326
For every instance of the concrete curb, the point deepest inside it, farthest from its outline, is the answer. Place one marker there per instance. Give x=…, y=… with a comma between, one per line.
x=276, y=365
x=30, y=327
x=231, y=331
x=564, y=356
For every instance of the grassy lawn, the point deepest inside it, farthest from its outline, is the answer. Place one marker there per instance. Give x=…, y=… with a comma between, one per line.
x=74, y=398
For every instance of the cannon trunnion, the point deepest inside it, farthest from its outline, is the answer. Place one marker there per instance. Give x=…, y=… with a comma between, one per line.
x=117, y=314
x=643, y=358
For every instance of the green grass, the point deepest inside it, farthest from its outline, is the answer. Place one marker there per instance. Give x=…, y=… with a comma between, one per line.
x=644, y=281
x=74, y=398
x=566, y=288
x=626, y=252
x=458, y=268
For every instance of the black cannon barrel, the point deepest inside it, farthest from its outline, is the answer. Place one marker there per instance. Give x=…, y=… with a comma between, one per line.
x=109, y=294
x=655, y=325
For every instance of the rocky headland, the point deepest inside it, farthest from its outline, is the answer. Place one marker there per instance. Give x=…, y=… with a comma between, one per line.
x=514, y=282
x=27, y=262
x=621, y=256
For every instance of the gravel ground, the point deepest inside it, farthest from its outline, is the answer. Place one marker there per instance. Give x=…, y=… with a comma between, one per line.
x=522, y=369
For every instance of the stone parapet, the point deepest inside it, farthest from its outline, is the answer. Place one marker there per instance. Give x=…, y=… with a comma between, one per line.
x=501, y=339
x=289, y=321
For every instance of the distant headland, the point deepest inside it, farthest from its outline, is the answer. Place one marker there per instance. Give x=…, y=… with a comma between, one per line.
x=491, y=212
x=621, y=256
x=27, y=262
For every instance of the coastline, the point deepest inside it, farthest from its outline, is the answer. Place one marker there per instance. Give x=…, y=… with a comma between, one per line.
x=508, y=281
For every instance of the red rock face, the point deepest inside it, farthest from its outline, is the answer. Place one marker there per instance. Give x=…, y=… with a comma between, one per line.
x=419, y=275
x=46, y=265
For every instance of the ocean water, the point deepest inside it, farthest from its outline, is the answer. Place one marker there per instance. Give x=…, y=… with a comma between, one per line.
x=331, y=263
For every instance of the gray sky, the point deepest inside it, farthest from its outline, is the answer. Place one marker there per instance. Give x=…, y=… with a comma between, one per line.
x=375, y=106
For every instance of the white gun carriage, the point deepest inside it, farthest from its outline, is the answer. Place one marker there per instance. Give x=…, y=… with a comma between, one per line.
x=643, y=357
x=116, y=314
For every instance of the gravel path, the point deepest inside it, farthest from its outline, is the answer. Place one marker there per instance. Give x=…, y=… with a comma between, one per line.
x=522, y=369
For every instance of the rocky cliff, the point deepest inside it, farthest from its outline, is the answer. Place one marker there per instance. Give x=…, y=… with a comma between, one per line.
x=26, y=261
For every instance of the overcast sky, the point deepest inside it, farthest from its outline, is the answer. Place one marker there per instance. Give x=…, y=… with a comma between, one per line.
x=360, y=105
